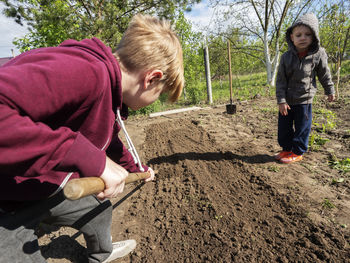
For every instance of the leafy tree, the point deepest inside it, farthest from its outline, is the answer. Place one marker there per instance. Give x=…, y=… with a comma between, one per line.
x=335, y=29
x=192, y=52
x=218, y=56
x=51, y=21
x=335, y=32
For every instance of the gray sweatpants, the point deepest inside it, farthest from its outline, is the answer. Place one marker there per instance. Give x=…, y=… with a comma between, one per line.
x=93, y=218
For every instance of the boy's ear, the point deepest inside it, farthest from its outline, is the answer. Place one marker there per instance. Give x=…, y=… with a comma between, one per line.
x=152, y=77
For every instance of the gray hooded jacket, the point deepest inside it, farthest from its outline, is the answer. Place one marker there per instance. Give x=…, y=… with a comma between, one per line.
x=296, y=78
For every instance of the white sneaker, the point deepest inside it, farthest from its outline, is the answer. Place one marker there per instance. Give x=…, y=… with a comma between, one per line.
x=121, y=249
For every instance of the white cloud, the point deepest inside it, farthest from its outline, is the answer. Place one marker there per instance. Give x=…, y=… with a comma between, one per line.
x=205, y=18
x=9, y=29
x=201, y=16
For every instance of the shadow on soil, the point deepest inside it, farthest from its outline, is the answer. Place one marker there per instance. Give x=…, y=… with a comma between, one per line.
x=211, y=156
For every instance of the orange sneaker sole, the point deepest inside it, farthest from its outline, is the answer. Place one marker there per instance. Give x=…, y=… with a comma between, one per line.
x=291, y=159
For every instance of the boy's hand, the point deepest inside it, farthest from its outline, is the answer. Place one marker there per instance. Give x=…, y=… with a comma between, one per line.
x=114, y=178
x=283, y=108
x=331, y=97
x=152, y=177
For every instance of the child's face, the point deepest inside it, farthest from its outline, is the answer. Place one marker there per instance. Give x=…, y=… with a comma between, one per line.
x=301, y=37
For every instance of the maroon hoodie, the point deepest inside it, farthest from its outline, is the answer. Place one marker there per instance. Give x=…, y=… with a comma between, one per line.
x=57, y=118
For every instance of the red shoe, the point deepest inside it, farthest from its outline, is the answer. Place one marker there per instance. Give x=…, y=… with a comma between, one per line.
x=291, y=158
x=281, y=155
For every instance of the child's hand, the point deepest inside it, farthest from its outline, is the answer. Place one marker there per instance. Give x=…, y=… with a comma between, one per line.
x=331, y=97
x=114, y=178
x=283, y=108
x=152, y=177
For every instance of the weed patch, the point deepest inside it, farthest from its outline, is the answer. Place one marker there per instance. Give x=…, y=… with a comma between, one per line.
x=342, y=165
x=325, y=120
x=316, y=141
x=327, y=204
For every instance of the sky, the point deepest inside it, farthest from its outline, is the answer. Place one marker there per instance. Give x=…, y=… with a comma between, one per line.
x=200, y=16
x=8, y=31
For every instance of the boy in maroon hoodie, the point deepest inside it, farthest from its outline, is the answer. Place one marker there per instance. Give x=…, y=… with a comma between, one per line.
x=61, y=109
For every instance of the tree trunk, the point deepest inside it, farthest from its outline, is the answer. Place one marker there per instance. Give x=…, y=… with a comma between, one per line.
x=275, y=66
x=268, y=63
x=338, y=80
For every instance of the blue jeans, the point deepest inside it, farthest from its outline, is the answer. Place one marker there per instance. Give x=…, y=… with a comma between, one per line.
x=93, y=218
x=294, y=129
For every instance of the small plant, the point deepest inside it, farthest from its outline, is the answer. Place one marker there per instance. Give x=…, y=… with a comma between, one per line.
x=218, y=217
x=337, y=181
x=327, y=204
x=316, y=141
x=342, y=165
x=327, y=120
x=273, y=168
x=273, y=110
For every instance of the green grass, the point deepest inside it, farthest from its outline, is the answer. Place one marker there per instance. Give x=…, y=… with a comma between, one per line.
x=345, y=69
x=244, y=87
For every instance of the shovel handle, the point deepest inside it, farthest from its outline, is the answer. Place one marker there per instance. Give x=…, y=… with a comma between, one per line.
x=81, y=187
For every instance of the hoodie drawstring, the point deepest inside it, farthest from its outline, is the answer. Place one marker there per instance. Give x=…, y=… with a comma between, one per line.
x=132, y=148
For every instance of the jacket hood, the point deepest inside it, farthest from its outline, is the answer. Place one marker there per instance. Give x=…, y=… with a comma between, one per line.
x=311, y=21
x=97, y=48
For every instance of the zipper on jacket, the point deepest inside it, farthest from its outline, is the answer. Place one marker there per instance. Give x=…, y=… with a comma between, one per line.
x=301, y=63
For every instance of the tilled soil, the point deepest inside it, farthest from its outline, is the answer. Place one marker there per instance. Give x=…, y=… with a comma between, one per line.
x=221, y=197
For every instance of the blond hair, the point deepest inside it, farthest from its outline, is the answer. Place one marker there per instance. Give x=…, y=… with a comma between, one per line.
x=149, y=44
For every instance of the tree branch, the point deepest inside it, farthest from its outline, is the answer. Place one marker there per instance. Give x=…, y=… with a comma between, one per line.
x=257, y=14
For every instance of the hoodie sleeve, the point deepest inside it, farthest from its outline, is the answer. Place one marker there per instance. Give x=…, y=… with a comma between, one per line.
x=281, y=83
x=37, y=91
x=324, y=74
x=119, y=154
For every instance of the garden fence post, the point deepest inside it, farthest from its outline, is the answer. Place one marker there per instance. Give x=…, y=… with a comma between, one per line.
x=207, y=74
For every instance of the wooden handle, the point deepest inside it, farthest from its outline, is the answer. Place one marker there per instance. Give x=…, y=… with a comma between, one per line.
x=80, y=187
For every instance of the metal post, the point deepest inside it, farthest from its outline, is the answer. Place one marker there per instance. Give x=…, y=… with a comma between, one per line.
x=207, y=74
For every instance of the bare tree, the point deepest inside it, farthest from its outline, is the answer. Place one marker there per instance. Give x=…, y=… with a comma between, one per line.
x=260, y=24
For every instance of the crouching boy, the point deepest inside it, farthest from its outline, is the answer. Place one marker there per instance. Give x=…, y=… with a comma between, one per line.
x=61, y=109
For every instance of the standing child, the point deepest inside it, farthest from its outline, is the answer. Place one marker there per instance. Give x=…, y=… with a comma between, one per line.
x=296, y=86
x=61, y=109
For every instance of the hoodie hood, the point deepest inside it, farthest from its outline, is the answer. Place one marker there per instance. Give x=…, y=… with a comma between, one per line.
x=97, y=48
x=311, y=21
